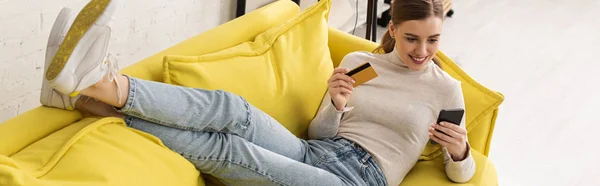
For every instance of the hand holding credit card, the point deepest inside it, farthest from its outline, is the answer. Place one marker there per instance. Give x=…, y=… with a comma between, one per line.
x=362, y=74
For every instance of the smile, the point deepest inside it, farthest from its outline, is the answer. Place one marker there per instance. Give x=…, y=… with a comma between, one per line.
x=418, y=60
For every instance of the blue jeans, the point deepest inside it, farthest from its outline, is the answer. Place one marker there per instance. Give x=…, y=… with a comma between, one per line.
x=224, y=136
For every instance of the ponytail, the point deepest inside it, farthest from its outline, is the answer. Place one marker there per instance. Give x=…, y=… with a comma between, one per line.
x=387, y=44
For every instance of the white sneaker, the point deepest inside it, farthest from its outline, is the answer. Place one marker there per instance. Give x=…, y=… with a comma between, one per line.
x=81, y=59
x=50, y=97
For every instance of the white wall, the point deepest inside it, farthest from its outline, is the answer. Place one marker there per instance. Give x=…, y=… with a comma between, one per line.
x=343, y=13
x=141, y=28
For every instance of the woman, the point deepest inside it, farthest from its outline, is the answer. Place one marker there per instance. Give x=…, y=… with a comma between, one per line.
x=371, y=135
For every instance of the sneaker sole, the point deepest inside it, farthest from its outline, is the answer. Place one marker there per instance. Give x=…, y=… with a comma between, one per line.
x=59, y=27
x=60, y=24
x=93, y=13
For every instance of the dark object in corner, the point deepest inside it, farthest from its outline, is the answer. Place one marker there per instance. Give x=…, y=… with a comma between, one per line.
x=385, y=16
x=450, y=13
x=241, y=7
x=385, y=19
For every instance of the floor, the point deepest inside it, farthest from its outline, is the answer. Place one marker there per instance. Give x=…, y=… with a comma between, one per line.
x=540, y=55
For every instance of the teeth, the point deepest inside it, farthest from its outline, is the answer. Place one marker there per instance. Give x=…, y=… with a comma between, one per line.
x=419, y=59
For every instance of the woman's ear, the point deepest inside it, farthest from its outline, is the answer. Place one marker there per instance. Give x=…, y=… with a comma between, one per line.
x=391, y=29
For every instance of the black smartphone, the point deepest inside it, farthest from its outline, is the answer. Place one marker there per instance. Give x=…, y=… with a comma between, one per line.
x=453, y=116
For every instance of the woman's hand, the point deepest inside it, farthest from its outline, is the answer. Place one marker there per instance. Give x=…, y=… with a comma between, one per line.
x=455, y=142
x=340, y=87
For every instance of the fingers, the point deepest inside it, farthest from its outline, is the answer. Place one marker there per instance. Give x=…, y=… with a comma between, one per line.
x=341, y=83
x=341, y=89
x=344, y=90
x=444, y=127
x=343, y=77
x=438, y=140
x=340, y=70
x=455, y=128
x=452, y=138
x=441, y=136
x=455, y=141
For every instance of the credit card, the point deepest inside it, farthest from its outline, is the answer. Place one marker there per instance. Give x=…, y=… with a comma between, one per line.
x=362, y=74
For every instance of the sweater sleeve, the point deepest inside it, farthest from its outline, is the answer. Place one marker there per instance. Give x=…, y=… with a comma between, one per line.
x=327, y=121
x=459, y=171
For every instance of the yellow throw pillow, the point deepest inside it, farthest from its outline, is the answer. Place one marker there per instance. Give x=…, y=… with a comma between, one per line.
x=481, y=105
x=283, y=71
x=97, y=152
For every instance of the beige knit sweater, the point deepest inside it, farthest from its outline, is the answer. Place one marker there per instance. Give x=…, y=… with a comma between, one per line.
x=390, y=115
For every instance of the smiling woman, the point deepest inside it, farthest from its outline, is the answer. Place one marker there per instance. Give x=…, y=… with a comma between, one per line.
x=414, y=29
x=394, y=115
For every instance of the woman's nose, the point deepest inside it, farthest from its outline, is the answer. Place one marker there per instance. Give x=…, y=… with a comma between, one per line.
x=421, y=50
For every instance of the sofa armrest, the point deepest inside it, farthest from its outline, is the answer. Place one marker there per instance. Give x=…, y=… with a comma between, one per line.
x=27, y=128
x=342, y=43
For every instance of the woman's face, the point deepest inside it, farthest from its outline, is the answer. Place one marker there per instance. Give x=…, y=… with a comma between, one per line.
x=417, y=41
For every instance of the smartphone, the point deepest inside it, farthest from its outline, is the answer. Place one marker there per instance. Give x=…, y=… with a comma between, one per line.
x=362, y=74
x=453, y=116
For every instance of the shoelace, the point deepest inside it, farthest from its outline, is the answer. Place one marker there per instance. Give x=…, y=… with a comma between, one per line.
x=113, y=73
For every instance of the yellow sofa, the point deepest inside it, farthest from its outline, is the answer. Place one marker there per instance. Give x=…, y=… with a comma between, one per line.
x=48, y=146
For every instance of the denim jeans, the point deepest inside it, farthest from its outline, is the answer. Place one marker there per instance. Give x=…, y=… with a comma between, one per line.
x=224, y=136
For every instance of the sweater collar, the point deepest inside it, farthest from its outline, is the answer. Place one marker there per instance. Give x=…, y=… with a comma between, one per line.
x=395, y=58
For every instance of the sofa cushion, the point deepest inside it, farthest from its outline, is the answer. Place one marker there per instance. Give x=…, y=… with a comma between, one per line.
x=97, y=152
x=283, y=71
x=31, y=126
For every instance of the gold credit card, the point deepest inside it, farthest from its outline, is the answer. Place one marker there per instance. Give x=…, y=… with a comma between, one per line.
x=362, y=74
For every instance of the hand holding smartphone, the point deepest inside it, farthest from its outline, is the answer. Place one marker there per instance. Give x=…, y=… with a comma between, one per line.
x=453, y=116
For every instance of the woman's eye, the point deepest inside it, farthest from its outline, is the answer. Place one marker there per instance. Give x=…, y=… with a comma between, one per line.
x=411, y=39
x=432, y=40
